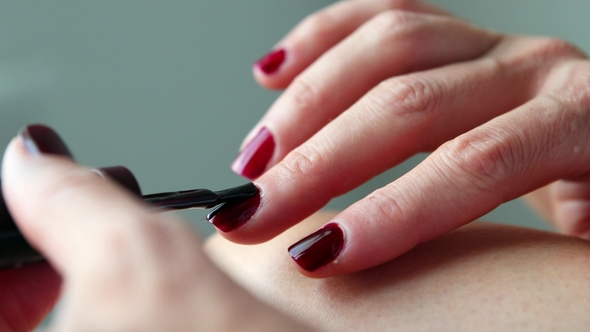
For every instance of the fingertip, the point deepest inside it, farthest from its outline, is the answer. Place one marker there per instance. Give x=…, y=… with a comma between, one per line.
x=275, y=82
x=318, y=249
x=255, y=220
x=274, y=70
x=230, y=216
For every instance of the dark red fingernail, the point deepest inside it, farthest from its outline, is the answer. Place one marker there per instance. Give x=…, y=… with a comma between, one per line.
x=319, y=248
x=251, y=162
x=230, y=216
x=271, y=62
x=40, y=139
x=121, y=175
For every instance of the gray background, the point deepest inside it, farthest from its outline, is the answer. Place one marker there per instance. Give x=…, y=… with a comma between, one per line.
x=165, y=88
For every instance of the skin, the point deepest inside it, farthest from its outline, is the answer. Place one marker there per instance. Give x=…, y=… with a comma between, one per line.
x=123, y=268
x=481, y=277
x=504, y=115
x=371, y=83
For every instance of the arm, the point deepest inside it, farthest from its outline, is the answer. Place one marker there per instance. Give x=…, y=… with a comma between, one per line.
x=480, y=277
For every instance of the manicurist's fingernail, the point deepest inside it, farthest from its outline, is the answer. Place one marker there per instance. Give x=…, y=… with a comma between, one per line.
x=271, y=62
x=319, y=248
x=230, y=216
x=40, y=139
x=121, y=175
x=252, y=161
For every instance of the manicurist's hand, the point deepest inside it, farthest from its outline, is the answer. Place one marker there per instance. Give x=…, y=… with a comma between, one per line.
x=371, y=83
x=123, y=268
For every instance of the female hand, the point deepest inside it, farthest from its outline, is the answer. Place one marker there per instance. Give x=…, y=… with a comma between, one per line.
x=123, y=268
x=371, y=83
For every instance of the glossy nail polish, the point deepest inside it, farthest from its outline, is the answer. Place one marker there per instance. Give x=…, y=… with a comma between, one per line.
x=271, y=62
x=40, y=139
x=252, y=161
x=230, y=216
x=120, y=175
x=319, y=248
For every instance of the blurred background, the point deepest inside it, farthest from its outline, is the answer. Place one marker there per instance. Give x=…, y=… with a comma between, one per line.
x=165, y=87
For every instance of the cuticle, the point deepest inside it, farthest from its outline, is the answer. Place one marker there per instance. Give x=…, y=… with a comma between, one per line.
x=344, y=241
x=260, y=204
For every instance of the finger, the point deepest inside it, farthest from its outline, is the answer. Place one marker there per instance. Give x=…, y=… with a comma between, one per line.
x=345, y=73
x=124, y=267
x=79, y=221
x=461, y=181
x=27, y=295
x=400, y=117
x=318, y=33
x=571, y=206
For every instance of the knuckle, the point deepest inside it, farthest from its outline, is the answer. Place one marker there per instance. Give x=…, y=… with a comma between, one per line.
x=303, y=94
x=386, y=205
x=319, y=24
x=407, y=95
x=482, y=159
x=549, y=47
x=395, y=24
x=305, y=161
x=575, y=91
x=395, y=4
x=545, y=54
x=580, y=86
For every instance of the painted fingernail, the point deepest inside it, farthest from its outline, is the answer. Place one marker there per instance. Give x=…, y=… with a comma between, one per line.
x=252, y=161
x=230, y=216
x=121, y=175
x=40, y=139
x=319, y=248
x=271, y=62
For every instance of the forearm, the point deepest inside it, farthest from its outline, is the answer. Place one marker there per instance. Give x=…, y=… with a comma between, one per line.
x=482, y=276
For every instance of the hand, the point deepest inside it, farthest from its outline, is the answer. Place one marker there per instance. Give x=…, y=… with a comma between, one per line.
x=123, y=268
x=370, y=83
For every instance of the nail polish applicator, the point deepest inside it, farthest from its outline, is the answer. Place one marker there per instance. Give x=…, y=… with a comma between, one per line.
x=16, y=251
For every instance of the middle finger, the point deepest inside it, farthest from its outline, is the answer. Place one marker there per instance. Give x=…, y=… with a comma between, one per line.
x=391, y=44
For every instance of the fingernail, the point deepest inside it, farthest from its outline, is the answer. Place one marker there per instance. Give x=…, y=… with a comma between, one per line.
x=120, y=175
x=251, y=162
x=271, y=62
x=319, y=248
x=230, y=216
x=40, y=139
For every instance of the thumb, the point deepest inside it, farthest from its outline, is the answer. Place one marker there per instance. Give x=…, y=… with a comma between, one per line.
x=53, y=200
